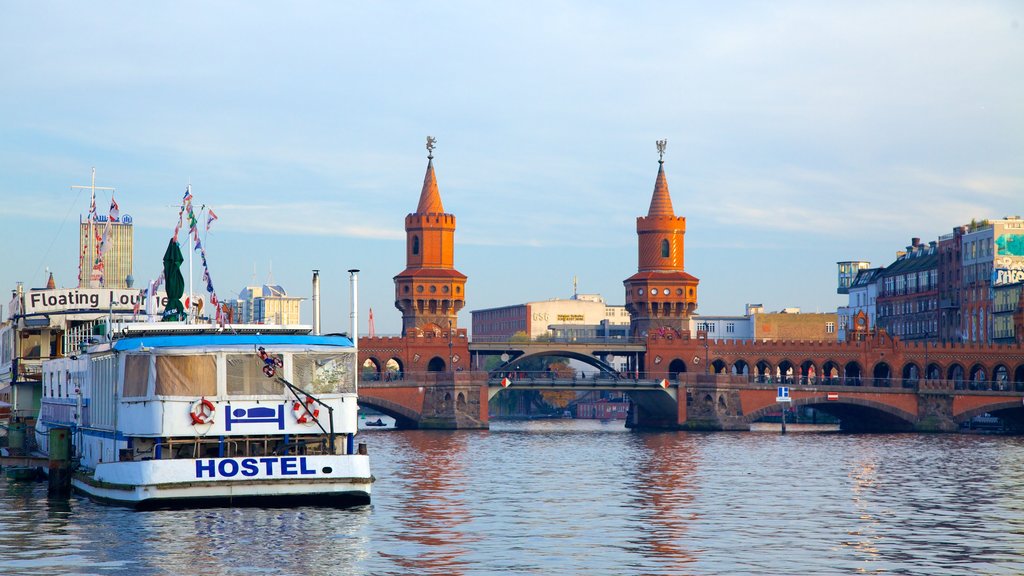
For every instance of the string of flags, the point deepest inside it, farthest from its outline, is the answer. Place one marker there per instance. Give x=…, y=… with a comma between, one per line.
x=198, y=247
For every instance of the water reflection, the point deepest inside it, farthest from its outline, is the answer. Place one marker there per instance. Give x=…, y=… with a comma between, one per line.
x=581, y=498
x=664, y=497
x=429, y=514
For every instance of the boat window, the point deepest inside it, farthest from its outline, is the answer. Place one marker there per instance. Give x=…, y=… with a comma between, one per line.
x=324, y=373
x=136, y=375
x=186, y=375
x=246, y=377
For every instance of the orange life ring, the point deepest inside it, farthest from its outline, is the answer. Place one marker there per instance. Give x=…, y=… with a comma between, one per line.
x=302, y=413
x=202, y=411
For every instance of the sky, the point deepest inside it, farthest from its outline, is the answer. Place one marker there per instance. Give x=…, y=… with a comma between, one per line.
x=799, y=134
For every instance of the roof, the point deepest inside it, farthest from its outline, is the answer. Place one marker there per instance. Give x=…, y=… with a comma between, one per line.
x=663, y=275
x=661, y=201
x=430, y=197
x=219, y=340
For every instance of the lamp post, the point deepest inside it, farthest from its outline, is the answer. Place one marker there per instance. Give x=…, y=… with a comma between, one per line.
x=704, y=337
x=450, y=355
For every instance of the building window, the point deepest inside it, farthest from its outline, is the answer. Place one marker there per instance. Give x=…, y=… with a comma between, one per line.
x=664, y=249
x=415, y=245
x=730, y=327
x=830, y=327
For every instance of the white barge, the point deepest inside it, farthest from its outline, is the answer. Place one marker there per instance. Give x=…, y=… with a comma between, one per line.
x=167, y=414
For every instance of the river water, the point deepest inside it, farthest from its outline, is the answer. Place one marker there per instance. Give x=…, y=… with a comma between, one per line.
x=581, y=497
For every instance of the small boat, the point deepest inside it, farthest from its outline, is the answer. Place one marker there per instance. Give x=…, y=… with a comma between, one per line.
x=377, y=422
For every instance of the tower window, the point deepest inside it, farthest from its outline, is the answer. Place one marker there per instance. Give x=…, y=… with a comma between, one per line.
x=415, y=245
x=664, y=248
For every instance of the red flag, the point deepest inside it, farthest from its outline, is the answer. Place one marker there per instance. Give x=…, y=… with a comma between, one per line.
x=210, y=217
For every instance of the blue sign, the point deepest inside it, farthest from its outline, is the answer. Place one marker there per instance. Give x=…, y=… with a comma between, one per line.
x=783, y=391
x=255, y=415
x=249, y=467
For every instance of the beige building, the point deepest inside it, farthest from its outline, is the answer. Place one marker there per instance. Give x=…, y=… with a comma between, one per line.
x=791, y=324
x=117, y=257
x=265, y=305
x=582, y=316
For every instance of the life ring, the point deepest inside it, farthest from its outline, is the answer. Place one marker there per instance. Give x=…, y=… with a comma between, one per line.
x=302, y=412
x=202, y=411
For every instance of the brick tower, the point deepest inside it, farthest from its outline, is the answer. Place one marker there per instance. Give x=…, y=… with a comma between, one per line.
x=660, y=295
x=430, y=291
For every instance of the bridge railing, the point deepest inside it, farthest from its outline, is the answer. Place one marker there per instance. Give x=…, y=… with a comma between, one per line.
x=612, y=340
x=538, y=376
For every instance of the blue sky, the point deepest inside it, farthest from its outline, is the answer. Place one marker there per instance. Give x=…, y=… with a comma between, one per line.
x=799, y=134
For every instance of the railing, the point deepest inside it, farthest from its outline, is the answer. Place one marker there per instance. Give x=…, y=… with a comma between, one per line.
x=617, y=340
x=581, y=378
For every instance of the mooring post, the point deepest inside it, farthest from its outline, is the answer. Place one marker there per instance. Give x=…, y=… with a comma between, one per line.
x=60, y=462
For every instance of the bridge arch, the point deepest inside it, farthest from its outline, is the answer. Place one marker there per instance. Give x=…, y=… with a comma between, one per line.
x=852, y=373
x=1018, y=378
x=1001, y=377
x=405, y=418
x=394, y=369
x=978, y=377
x=830, y=372
x=1011, y=410
x=675, y=368
x=911, y=375
x=854, y=414
x=955, y=372
x=370, y=369
x=718, y=366
x=785, y=371
x=558, y=353
x=740, y=367
x=882, y=374
x=808, y=372
x=436, y=364
x=934, y=372
x=763, y=370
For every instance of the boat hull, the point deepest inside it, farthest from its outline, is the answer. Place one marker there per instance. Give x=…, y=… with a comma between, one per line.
x=267, y=481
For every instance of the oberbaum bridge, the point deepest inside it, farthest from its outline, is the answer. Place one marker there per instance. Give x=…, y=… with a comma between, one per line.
x=425, y=378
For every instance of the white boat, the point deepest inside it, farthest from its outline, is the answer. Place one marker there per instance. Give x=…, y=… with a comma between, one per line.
x=173, y=414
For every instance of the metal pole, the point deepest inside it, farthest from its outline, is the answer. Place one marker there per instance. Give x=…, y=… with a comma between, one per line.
x=316, y=302
x=783, y=405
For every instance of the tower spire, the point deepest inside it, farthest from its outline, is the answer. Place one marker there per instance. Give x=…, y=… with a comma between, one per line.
x=430, y=197
x=661, y=201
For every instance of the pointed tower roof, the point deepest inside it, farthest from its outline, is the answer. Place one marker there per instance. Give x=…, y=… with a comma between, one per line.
x=661, y=202
x=430, y=198
x=50, y=284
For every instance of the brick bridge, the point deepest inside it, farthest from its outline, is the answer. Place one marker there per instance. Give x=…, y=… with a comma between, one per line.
x=875, y=384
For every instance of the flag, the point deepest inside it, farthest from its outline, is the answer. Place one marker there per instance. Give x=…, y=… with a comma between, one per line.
x=187, y=199
x=210, y=217
x=115, y=211
x=92, y=206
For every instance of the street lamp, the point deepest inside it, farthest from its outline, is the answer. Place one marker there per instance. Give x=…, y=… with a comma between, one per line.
x=704, y=336
x=450, y=355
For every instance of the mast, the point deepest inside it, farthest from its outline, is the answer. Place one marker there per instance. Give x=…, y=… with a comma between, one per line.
x=92, y=233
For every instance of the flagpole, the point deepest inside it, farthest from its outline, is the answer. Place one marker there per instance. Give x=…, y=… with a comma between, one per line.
x=188, y=313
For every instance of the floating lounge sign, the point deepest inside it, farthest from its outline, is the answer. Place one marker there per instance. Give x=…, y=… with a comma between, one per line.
x=99, y=299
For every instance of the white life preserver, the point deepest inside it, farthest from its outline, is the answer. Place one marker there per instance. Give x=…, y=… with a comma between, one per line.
x=302, y=412
x=202, y=411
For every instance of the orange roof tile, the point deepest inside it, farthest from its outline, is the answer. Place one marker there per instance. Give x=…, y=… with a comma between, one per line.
x=430, y=198
x=661, y=202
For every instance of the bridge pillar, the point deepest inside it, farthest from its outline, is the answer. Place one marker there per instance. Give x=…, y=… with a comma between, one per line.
x=455, y=401
x=935, y=407
x=710, y=402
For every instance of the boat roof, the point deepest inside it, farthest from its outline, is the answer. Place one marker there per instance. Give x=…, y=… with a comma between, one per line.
x=138, y=342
